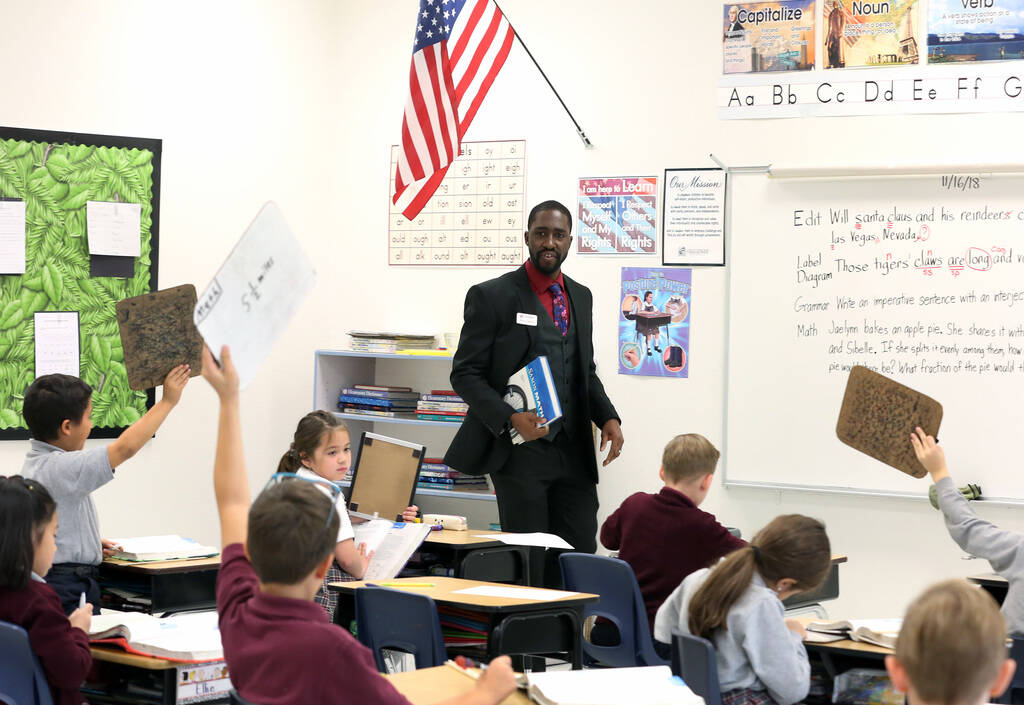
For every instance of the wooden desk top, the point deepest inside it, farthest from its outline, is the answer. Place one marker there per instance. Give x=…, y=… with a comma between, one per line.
x=112, y=655
x=839, y=558
x=443, y=591
x=463, y=538
x=429, y=685
x=188, y=565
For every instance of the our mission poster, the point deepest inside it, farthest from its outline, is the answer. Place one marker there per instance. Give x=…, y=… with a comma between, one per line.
x=654, y=322
x=871, y=33
x=986, y=30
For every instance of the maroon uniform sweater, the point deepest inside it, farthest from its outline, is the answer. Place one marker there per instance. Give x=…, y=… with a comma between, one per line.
x=63, y=650
x=664, y=537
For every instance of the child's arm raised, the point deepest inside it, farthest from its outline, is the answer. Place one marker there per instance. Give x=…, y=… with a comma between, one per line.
x=929, y=454
x=230, y=481
x=136, y=435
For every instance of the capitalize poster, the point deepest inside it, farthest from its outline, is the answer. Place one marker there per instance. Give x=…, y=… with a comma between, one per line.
x=654, y=322
x=768, y=36
x=870, y=33
x=982, y=30
x=618, y=215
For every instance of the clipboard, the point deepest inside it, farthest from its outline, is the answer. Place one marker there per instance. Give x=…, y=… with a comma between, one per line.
x=157, y=334
x=384, y=476
x=879, y=414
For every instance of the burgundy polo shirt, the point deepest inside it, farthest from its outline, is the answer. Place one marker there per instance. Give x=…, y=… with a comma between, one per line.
x=283, y=651
x=63, y=650
x=540, y=282
x=665, y=537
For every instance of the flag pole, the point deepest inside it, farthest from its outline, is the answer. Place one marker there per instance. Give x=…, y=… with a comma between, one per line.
x=579, y=130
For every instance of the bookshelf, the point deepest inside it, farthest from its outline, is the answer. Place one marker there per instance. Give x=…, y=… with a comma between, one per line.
x=336, y=369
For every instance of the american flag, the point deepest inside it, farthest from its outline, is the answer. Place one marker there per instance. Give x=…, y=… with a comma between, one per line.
x=460, y=47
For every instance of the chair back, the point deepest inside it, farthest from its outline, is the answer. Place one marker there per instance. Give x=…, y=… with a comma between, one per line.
x=399, y=621
x=693, y=660
x=22, y=680
x=508, y=564
x=621, y=604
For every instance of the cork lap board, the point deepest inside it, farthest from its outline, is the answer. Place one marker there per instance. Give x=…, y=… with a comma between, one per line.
x=879, y=414
x=158, y=334
x=385, y=475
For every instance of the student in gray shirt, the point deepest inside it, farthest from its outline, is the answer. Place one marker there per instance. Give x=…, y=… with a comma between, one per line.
x=58, y=411
x=737, y=605
x=1003, y=549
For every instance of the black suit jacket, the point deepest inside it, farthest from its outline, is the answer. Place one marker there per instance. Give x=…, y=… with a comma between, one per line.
x=492, y=347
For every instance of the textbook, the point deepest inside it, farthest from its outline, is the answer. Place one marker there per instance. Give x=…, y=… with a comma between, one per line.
x=191, y=637
x=378, y=393
x=396, y=404
x=533, y=389
x=161, y=548
x=392, y=543
x=880, y=632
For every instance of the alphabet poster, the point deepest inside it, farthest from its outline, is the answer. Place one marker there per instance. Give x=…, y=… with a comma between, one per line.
x=618, y=215
x=654, y=322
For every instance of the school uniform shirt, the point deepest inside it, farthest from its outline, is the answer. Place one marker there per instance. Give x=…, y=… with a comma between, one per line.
x=755, y=651
x=62, y=650
x=345, y=531
x=284, y=651
x=664, y=537
x=71, y=477
x=1004, y=550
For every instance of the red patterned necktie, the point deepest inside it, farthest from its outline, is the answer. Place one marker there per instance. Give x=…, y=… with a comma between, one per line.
x=559, y=309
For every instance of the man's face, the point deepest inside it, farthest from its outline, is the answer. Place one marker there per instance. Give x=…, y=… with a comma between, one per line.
x=733, y=13
x=548, y=241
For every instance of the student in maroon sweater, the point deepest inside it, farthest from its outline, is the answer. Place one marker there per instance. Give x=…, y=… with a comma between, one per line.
x=280, y=648
x=28, y=542
x=664, y=536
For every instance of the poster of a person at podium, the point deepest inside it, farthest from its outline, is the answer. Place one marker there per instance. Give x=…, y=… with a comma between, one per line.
x=654, y=322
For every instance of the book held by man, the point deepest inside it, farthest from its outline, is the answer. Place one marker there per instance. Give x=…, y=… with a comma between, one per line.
x=533, y=389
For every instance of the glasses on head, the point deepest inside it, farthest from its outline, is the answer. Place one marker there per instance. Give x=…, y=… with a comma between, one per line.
x=332, y=491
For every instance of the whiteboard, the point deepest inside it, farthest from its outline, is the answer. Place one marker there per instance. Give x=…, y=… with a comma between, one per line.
x=927, y=288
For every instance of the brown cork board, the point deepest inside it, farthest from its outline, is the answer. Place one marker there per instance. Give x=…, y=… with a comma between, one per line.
x=879, y=414
x=158, y=334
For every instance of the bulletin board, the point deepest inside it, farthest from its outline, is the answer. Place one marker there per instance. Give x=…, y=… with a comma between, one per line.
x=56, y=173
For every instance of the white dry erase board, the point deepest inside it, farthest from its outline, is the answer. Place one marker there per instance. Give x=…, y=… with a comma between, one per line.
x=255, y=293
x=920, y=278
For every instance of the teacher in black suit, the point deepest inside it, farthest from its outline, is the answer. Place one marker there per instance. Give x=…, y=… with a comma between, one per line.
x=548, y=483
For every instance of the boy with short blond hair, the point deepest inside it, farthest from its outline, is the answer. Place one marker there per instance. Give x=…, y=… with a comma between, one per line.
x=952, y=648
x=664, y=537
x=278, y=643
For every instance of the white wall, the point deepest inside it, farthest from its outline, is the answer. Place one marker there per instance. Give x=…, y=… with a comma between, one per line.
x=299, y=101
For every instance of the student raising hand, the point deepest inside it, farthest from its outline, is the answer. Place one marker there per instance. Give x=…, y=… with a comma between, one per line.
x=174, y=383
x=929, y=454
x=222, y=376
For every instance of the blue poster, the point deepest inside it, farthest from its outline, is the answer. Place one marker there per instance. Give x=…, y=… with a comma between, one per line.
x=974, y=30
x=654, y=322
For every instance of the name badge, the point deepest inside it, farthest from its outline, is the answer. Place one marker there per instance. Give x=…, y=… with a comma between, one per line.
x=526, y=319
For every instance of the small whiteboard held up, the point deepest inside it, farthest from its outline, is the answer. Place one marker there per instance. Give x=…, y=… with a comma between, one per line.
x=255, y=293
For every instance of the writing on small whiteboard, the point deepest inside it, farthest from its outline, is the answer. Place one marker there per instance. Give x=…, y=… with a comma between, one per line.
x=255, y=293
x=57, y=343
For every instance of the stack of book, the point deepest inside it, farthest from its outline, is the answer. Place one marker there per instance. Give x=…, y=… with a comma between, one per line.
x=435, y=475
x=462, y=627
x=377, y=400
x=368, y=342
x=441, y=405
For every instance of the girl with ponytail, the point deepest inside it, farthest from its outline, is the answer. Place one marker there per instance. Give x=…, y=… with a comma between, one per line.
x=737, y=605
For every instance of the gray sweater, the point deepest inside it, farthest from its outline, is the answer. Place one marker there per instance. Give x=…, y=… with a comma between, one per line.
x=756, y=650
x=1003, y=549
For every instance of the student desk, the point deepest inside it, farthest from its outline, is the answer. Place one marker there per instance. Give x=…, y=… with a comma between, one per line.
x=173, y=586
x=147, y=673
x=430, y=685
x=515, y=625
x=475, y=558
x=993, y=584
x=840, y=656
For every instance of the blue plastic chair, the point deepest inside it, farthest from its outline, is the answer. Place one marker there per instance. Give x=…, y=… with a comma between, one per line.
x=621, y=604
x=399, y=621
x=22, y=680
x=693, y=660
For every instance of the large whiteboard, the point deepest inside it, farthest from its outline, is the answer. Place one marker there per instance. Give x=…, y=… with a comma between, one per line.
x=927, y=288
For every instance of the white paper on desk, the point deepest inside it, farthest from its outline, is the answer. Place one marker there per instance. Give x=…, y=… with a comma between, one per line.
x=12, y=237
x=114, y=228
x=537, y=538
x=255, y=293
x=57, y=346
x=514, y=593
x=647, y=685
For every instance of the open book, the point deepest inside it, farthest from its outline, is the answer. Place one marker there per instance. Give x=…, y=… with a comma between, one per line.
x=880, y=632
x=186, y=637
x=392, y=545
x=161, y=548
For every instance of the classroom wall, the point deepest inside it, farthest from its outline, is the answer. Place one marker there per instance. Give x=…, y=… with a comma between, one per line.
x=299, y=102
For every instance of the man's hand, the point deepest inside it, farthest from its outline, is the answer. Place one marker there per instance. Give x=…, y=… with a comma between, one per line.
x=528, y=425
x=109, y=547
x=611, y=431
x=929, y=454
x=174, y=383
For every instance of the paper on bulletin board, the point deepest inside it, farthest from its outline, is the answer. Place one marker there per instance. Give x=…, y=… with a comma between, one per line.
x=654, y=322
x=12, y=236
x=617, y=215
x=255, y=293
x=114, y=228
x=57, y=343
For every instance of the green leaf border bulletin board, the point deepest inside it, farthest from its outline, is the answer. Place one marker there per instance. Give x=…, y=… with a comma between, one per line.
x=55, y=173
